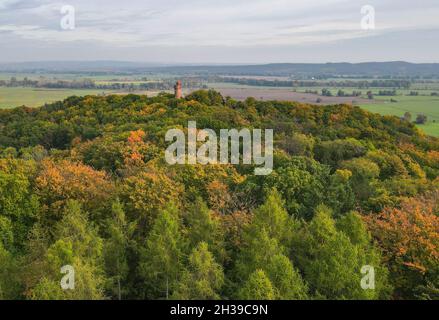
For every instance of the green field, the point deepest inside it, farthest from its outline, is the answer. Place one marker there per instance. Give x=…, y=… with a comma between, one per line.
x=424, y=103
x=427, y=105
x=32, y=97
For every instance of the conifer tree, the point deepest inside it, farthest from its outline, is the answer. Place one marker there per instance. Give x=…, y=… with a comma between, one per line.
x=257, y=287
x=79, y=246
x=203, y=278
x=266, y=243
x=202, y=226
x=286, y=280
x=115, y=249
x=259, y=249
x=161, y=259
x=273, y=217
x=332, y=262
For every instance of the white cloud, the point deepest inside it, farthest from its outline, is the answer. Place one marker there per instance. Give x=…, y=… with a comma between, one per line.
x=201, y=23
x=227, y=23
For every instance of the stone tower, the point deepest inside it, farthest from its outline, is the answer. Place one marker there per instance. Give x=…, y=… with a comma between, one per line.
x=178, y=90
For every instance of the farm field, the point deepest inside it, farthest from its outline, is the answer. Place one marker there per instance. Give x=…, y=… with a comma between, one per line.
x=36, y=97
x=286, y=94
x=32, y=97
x=415, y=105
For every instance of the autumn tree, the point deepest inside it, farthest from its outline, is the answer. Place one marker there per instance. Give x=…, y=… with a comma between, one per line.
x=147, y=192
x=59, y=182
x=409, y=238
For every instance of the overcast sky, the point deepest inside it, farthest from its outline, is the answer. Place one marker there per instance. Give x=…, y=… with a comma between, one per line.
x=220, y=31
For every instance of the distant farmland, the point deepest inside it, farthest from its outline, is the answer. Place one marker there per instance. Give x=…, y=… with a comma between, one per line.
x=288, y=95
x=33, y=97
x=415, y=105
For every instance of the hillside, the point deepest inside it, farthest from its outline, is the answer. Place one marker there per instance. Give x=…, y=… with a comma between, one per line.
x=84, y=182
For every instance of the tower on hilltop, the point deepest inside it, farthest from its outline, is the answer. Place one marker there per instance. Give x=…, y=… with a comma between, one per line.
x=178, y=90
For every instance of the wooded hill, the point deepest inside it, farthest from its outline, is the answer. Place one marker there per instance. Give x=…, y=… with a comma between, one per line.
x=83, y=182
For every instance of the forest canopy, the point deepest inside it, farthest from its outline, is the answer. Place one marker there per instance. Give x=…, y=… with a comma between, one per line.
x=83, y=182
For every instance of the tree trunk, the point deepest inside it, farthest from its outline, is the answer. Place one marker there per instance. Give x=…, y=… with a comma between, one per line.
x=118, y=285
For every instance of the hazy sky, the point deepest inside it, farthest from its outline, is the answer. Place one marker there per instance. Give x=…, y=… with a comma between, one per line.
x=220, y=31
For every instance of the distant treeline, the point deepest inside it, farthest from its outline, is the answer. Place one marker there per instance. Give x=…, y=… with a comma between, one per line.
x=90, y=84
x=401, y=84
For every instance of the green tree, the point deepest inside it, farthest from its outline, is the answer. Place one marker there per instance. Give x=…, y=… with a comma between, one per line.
x=115, y=249
x=364, y=174
x=340, y=196
x=273, y=217
x=333, y=152
x=332, y=262
x=10, y=287
x=257, y=252
x=407, y=116
x=78, y=245
x=17, y=203
x=301, y=182
x=266, y=241
x=202, y=226
x=203, y=278
x=421, y=119
x=286, y=280
x=6, y=233
x=207, y=97
x=299, y=145
x=257, y=287
x=161, y=259
x=390, y=165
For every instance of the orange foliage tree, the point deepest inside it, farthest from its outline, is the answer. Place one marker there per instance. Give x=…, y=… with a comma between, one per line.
x=135, y=142
x=58, y=182
x=409, y=238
